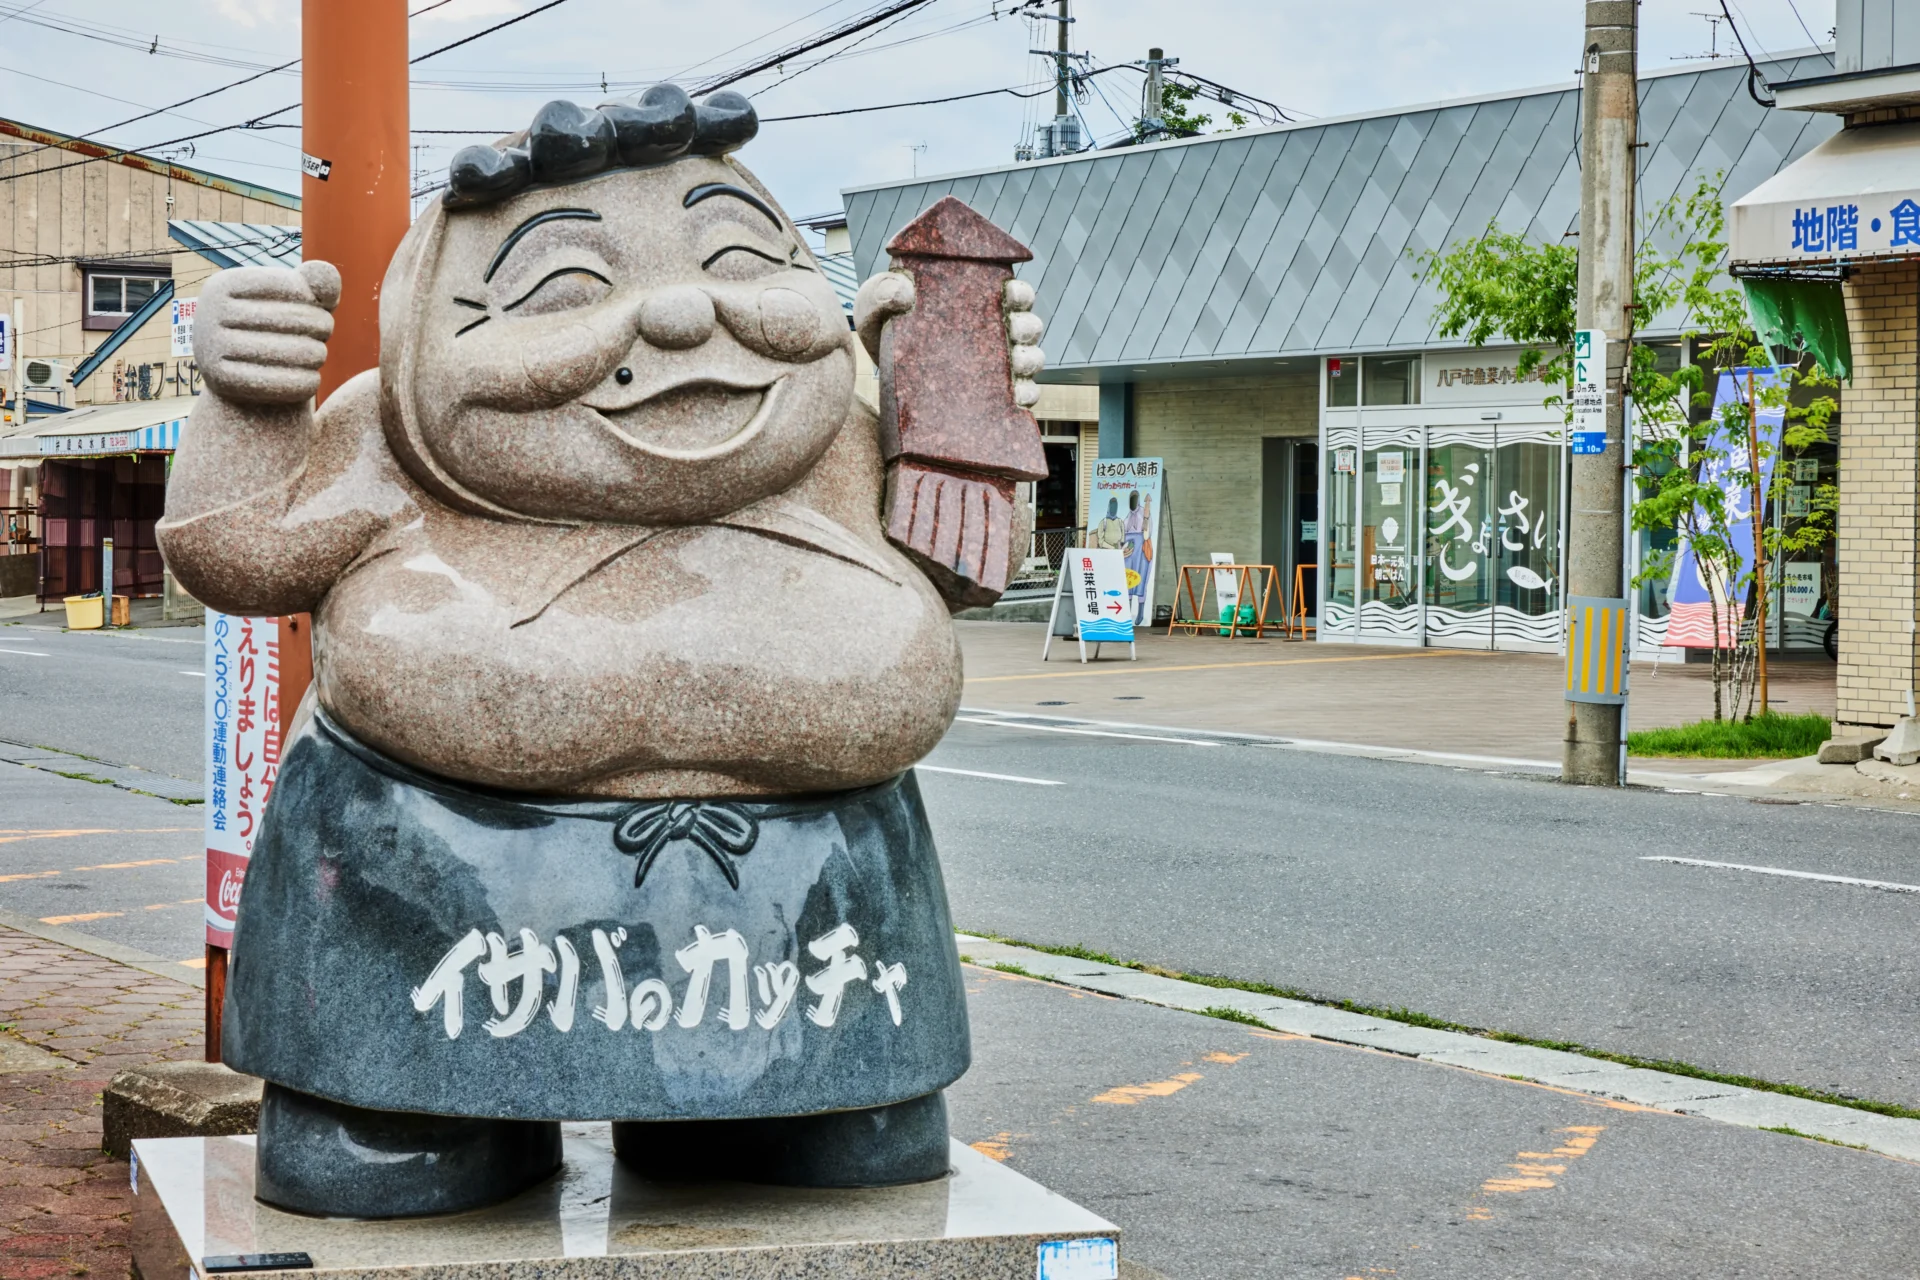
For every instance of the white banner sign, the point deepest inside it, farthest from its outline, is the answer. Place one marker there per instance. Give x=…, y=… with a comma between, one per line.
x=243, y=740
x=1100, y=594
x=182, y=334
x=1802, y=583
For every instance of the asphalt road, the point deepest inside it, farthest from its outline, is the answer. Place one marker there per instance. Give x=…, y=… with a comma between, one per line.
x=1492, y=900
x=1224, y=1152
x=131, y=697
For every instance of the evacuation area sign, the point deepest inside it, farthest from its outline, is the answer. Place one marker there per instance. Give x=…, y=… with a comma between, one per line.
x=1589, y=391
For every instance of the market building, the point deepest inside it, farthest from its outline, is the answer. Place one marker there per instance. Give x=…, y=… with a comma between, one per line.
x=1247, y=307
x=1830, y=248
x=97, y=249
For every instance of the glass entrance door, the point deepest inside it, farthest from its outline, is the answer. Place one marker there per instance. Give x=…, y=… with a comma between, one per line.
x=1527, y=607
x=1340, y=542
x=1390, y=505
x=1460, y=541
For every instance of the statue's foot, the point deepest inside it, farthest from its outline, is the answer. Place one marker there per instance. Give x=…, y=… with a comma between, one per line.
x=322, y=1157
x=877, y=1147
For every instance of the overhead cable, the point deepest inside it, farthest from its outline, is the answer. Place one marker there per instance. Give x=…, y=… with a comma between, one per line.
x=871, y=17
x=1753, y=72
x=258, y=121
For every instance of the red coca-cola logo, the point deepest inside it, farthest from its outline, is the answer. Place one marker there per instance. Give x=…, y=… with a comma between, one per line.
x=228, y=898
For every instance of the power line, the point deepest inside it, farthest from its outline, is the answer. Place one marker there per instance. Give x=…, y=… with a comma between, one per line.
x=837, y=52
x=928, y=102
x=258, y=122
x=196, y=97
x=871, y=17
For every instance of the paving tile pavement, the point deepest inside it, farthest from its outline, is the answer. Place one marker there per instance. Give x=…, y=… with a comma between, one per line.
x=65, y=1208
x=1439, y=700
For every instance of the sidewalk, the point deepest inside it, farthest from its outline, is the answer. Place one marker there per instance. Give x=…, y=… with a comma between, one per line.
x=142, y=613
x=1475, y=702
x=71, y=1020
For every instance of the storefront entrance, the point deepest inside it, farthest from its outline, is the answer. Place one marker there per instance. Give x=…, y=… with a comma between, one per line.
x=1444, y=535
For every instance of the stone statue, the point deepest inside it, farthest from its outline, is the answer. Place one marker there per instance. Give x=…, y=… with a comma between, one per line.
x=629, y=621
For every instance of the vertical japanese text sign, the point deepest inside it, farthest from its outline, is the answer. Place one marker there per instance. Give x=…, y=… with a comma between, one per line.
x=1589, y=391
x=244, y=721
x=1100, y=594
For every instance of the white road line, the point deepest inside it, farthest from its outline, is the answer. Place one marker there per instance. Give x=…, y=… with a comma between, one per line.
x=1084, y=733
x=198, y=675
x=1885, y=885
x=997, y=777
x=27, y=653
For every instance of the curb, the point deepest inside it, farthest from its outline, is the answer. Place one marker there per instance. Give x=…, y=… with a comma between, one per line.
x=1730, y=1104
x=132, y=957
x=145, y=782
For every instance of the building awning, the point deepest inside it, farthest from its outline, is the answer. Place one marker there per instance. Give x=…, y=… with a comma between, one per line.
x=1802, y=315
x=1856, y=195
x=143, y=426
x=239, y=244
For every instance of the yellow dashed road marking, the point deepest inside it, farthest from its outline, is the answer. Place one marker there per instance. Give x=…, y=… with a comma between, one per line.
x=199, y=962
x=1532, y=1170
x=1226, y=1058
x=84, y=916
x=1129, y=1095
x=168, y=906
x=995, y=1148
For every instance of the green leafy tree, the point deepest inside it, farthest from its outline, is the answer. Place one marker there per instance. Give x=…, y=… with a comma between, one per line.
x=1694, y=471
x=1182, y=121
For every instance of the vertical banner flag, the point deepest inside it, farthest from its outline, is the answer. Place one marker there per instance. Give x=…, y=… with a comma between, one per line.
x=243, y=737
x=1696, y=592
x=1123, y=516
x=1100, y=603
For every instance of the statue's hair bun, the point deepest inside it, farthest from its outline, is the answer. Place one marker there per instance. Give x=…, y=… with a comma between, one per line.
x=566, y=143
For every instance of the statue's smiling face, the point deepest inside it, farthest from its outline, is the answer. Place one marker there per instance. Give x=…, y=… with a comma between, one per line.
x=649, y=346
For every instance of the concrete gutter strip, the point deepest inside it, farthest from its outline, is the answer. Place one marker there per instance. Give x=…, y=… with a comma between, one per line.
x=124, y=776
x=1731, y=1104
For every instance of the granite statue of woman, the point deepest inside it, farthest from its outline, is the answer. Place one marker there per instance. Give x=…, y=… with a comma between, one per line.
x=629, y=622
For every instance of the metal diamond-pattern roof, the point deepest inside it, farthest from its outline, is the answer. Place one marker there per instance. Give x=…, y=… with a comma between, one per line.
x=239, y=244
x=1299, y=240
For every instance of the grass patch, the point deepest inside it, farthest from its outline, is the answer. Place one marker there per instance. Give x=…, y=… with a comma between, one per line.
x=1415, y=1018
x=1772, y=736
x=1812, y=1137
x=1008, y=966
x=1226, y=1014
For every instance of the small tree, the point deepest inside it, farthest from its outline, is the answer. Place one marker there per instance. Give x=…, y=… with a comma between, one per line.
x=1690, y=469
x=1176, y=112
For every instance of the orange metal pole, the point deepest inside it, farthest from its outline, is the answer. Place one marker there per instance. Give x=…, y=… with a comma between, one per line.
x=355, y=204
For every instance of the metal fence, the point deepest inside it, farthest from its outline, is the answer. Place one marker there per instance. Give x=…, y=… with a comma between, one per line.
x=1040, y=571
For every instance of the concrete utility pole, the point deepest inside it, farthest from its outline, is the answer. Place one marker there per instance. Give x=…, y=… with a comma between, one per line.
x=1596, y=542
x=1153, y=100
x=1060, y=67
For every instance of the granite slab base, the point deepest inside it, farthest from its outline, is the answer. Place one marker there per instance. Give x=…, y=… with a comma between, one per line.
x=194, y=1198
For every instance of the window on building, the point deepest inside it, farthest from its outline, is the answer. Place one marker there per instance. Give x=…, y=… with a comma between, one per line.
x=113, y=295
x=1390, y=380
x=1343, y=382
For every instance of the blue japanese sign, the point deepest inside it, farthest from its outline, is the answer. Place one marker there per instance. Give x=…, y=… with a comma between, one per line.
x=1589, y=442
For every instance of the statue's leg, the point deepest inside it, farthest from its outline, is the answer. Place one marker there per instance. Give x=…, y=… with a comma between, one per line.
x=876, y=1147
x=322, y=1157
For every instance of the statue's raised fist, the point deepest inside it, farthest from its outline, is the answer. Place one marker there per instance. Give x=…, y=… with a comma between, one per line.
x=260, y=334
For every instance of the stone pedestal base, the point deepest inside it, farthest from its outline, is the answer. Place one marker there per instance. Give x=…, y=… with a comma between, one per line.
x=177, y=1100
x=194, y=1198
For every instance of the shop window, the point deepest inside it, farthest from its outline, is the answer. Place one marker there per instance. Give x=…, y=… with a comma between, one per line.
x=1390, y=380
x=112, y=296
x=1343, y=382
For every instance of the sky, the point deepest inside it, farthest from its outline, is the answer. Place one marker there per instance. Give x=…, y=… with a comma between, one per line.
x=76, y=66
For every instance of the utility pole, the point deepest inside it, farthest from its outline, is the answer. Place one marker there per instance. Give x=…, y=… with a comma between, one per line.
x=1060, y=67
x=1153, y=100
x=1596, y=542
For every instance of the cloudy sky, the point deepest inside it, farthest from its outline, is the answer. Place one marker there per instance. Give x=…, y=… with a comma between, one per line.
x=76, y=66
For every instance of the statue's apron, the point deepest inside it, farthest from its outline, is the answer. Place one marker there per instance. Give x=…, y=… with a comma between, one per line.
x=410, y=944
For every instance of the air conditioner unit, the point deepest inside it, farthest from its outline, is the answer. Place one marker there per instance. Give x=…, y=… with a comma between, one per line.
x=44, y=375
